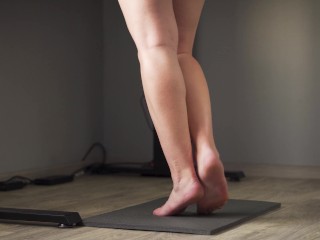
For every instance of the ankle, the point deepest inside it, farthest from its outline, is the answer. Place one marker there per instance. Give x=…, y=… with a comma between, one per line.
x=208, y=148
x=208, y=154
x=189, y=188
x=208, y=162
x=187, y=181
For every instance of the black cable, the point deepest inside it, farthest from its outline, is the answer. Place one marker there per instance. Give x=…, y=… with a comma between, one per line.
x=88, y=168
x=145, y=113
x=58, y=179
x=125, y=163
x=94, y=166
x=83, y=170
x=14, y=183
x=18, y=182
x=96, y=144
x=19, y=178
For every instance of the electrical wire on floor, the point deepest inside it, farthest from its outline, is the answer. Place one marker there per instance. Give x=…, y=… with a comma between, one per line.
x=89, y=168
x=18, y=182
x=15, y=182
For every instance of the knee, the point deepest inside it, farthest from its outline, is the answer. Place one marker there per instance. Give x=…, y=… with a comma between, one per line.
x=156, y=41
x=184, y=54
x=185, y=46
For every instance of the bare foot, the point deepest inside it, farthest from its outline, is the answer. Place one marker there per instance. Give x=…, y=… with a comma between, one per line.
x=184, y=194
x=211, y=174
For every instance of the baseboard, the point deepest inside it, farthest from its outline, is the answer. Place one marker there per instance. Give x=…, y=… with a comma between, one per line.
x=276, y=171
x=250, y=169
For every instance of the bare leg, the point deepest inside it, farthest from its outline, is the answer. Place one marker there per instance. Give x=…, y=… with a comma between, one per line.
x=210, y=167
x=153, y=27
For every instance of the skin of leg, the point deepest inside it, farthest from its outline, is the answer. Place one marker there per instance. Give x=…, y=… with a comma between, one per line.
x=153, y=28
x=210, y=168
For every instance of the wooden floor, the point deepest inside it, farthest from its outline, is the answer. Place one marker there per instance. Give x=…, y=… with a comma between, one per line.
x=299, y=217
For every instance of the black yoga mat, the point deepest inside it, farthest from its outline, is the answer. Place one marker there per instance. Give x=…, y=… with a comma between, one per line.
x=139, y=217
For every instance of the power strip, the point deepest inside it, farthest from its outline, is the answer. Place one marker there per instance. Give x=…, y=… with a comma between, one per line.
x=53, y=180
x=13, y=185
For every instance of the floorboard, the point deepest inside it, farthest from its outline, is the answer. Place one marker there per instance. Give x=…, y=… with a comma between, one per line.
x=298, y=218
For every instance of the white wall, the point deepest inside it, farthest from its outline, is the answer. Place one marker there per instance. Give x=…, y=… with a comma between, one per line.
x=69, y=76
x=260, y=59
x=215, y=50
x=273, y=81
x=50, y=82
x=126, y=133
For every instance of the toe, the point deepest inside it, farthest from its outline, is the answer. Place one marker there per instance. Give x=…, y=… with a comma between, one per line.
x=157, y=212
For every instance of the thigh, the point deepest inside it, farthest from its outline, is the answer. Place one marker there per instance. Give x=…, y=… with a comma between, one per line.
x=187, y=13
x=150, y=22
